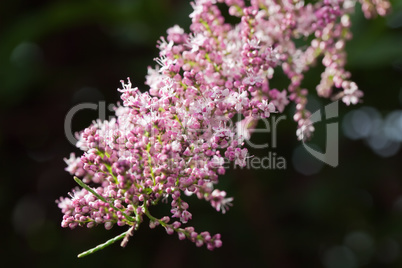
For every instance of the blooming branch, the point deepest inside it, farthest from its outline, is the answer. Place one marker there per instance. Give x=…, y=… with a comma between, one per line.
x=173, y=139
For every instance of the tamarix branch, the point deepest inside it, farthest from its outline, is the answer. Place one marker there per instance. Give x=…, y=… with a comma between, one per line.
x=172, y=141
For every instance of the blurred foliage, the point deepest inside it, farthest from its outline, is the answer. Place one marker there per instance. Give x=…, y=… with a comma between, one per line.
x=55, y=54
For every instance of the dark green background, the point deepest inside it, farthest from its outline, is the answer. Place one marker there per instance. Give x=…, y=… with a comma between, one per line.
x=55, y=54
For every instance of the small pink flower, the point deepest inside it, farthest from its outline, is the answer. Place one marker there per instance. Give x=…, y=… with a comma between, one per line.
x=219, y=202
x=280, y=100
x=351, y=93
x=253, y=79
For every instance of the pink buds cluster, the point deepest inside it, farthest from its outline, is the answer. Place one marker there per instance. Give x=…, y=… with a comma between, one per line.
x=173, y=140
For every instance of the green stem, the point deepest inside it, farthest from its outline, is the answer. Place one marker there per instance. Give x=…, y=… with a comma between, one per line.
x=164, y=224
x=152, y=218
x=102, y=246
x=150, y=163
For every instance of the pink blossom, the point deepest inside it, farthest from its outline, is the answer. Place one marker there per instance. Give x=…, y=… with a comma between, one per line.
x=351, y=93
x=280, y=101
x=219, y=202
x=174, y=138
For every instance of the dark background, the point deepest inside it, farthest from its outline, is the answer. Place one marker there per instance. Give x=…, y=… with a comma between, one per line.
x=56, y=54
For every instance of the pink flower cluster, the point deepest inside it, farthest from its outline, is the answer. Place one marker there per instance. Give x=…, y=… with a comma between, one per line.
x=171, y=141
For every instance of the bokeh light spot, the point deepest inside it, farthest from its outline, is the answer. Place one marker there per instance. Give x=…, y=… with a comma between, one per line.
x=339, y=257
x=26, y=53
